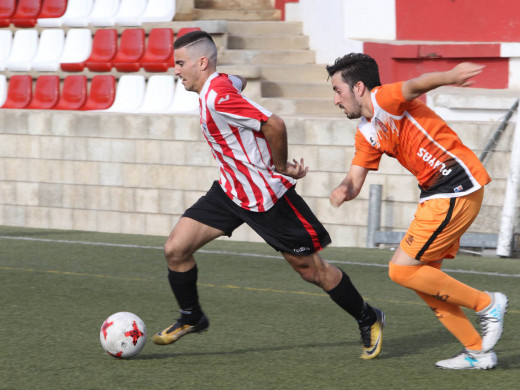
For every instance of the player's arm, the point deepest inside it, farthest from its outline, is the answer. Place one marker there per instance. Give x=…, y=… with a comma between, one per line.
x=459, y=75
x=350, y=187
x=238, y=81
x=276, y=135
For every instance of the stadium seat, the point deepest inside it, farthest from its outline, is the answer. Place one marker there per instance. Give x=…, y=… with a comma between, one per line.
x=7, y=9
x=73, y=93
x=131, y=49
x=130, y=12
x=104, y=48
x=26, y=13
x=78, y=46
x=50, y=50
x=184, y=102
x=46, y=92
x=3, y=89
x=104, y=13
x=158, y=56
x=129, y=94
x=23, y=50
x=102, y=93
x=77, y=13
x=158, y=11
x=6, y=40
x=19, y=92
x=186, y=30
x=159, y=94
x=52, y=12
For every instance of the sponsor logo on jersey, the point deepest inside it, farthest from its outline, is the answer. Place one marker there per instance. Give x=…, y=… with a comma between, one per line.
x=433, y=162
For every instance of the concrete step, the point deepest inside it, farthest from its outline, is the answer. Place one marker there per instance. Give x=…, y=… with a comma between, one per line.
x=261, y=57
x=236, y=14
x=265, y=28
x=271, y=42
x=234, y=4
x=294, y=73
x=302, y=107
x=297, y=90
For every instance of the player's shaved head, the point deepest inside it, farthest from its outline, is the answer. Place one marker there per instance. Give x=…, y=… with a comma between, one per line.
x=198, y=44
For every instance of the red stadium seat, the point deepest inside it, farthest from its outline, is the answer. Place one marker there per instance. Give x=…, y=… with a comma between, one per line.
x=7, y=8
x=102, y=93
x=73, y=94
x=19, y=92
x=46, y=92
x=104, y=48
x=53, y=8
x=131, y=49
x=159, y=50
x=26, y=13
x=186, y=30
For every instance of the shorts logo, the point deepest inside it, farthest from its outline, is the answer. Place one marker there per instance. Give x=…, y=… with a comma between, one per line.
x=301, y=249
x=409, y=240
x=458, y=189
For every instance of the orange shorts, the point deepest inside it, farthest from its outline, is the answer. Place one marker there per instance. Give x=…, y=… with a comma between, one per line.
x=438, y=224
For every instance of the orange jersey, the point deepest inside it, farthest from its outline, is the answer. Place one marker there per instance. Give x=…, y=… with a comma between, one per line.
x=421, y=141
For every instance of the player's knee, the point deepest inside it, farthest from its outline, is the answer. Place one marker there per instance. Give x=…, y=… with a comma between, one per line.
x=173, y=253
x=399, y=274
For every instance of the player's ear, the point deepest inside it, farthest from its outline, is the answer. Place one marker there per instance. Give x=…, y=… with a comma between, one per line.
x=203, y=62
x=360, y=88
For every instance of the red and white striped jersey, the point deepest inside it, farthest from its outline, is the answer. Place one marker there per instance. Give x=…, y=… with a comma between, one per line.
x=231, y=124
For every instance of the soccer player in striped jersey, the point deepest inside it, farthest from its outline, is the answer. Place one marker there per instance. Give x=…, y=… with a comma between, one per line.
x=256, y=187
x=451, y=179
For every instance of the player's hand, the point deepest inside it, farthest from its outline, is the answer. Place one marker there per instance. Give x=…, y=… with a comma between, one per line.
x=296, y=169
x=463, y=73
x=339, y=195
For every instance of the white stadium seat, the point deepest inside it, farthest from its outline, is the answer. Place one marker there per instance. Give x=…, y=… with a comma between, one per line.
x=159, y=94
x=23, y=50
x=77, y=14
x=6, y=40
x=104, y=12
x=129, y=94
x=159, y=11
x=50, y=50
x=130, y=12
x=184, y=102
x=3, y=89
x=78, y=46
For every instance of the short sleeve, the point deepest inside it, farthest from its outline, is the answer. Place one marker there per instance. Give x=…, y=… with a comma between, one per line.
x=390, y=98
x=365, y=155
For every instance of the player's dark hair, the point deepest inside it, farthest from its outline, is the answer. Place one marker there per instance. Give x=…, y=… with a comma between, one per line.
x=356, y=67
x=191, y=37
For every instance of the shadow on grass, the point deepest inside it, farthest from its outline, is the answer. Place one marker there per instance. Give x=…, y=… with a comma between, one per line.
x=151, y=356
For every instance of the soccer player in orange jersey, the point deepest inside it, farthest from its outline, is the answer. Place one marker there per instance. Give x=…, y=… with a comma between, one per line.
x=451, y=179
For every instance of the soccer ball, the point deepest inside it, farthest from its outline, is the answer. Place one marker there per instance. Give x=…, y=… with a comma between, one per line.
x=123, y=335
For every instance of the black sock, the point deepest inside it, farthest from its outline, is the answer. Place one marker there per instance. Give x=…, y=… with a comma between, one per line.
x=184, y=287
x=349, y=299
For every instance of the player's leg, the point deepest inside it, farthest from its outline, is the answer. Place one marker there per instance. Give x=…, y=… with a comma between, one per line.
x=336, y=283
x=206, y=220
x=434, y=234
x=292, y=228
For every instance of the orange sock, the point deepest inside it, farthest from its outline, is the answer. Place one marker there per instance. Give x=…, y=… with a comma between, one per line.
x=454, y=319
x=432, y=281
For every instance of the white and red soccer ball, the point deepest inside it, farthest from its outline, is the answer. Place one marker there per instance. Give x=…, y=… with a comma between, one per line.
x=123, y=335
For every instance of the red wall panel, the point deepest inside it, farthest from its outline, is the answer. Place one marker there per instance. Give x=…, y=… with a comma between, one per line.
x=458, y=20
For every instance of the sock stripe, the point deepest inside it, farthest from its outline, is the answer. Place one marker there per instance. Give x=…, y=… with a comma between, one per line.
x=438, y=231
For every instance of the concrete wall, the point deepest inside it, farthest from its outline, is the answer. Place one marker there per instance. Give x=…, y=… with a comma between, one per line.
x=137, y=173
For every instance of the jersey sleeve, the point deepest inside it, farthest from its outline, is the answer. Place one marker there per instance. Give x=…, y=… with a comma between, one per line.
x=365, y=155
x=390, y=98
x=238, y=110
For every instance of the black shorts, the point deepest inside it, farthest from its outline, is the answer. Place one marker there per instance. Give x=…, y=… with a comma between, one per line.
x=289, y=226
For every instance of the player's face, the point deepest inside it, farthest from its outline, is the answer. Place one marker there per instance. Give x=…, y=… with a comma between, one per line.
x=345, y=98
x=187, y=69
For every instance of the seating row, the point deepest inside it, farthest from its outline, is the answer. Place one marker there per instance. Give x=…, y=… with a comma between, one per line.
x=159, y=94
x=52, y=50
x=81, y=13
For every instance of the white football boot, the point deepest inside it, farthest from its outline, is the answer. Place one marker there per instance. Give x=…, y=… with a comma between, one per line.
x=469, y=360
x=491, y=320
